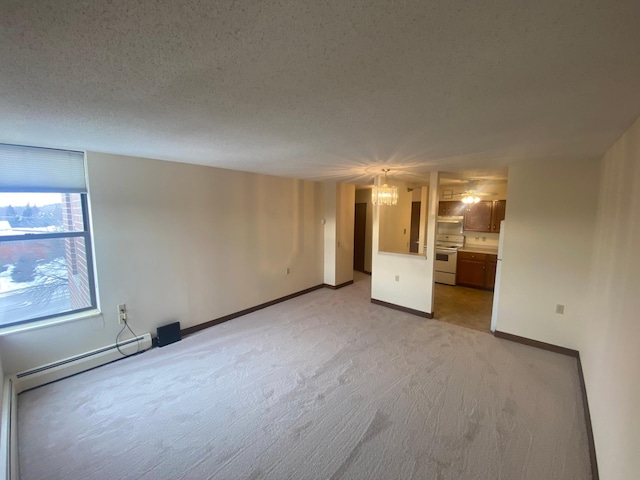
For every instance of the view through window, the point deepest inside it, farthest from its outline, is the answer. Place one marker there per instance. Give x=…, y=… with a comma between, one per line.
x=45, y=243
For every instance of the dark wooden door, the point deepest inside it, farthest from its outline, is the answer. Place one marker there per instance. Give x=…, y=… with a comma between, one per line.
x=359, y=233
x=414, y=234
x=477, y=216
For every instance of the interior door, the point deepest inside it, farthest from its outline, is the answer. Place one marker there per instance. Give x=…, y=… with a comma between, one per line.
x=414, y=234
x=359, y=232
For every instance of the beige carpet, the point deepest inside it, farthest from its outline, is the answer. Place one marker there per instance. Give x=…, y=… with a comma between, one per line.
x=324, y=386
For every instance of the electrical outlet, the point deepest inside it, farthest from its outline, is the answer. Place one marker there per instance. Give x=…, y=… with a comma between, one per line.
x=122, y=313
x=397, y=278
x=560, y=309
x=288, y=271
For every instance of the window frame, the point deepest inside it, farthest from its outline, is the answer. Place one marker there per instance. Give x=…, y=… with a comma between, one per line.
x=86, y=235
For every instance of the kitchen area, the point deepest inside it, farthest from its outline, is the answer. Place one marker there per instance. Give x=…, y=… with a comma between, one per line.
x=470, y=227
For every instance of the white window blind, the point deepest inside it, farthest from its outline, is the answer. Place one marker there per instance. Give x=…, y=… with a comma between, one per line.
x=32, y=169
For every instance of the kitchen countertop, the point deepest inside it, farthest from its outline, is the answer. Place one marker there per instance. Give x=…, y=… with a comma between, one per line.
x=479, y=249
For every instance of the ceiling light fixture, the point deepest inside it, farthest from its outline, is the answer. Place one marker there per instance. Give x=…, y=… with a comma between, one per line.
x=471, y=197
x=384, y=195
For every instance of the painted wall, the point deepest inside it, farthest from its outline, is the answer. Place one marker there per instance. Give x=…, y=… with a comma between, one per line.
x=550, y=223
x=609, y=341
x=330, y=232
x=338, y=233
x=345, y=206
x=364, y=196
x=395, y=222
x=184, y=242
x=1, y=382
x=405, y=280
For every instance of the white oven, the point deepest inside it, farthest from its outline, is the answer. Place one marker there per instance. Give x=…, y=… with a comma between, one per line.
x=447, y=258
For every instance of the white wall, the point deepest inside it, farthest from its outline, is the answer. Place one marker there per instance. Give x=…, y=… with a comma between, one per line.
x=395, y=222
x=345, y=206
x=1, y=383
x=405, y=280
x=184, y=242
x=609, y=341
x=550, y=223
x=330, y=232
x=339, y=211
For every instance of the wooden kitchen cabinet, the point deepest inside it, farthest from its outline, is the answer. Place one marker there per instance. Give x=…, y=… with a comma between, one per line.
x=477, y=216
x=450, y=208
x=476, y=270
x=497, y=214
x=484, y=216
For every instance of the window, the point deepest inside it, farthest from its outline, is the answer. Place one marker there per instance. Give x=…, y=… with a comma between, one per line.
x=45, y=244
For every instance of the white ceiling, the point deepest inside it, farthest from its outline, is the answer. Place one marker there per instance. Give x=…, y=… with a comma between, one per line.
x=325, y=90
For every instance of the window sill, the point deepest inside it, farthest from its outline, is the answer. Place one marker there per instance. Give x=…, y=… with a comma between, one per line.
x=73, y=317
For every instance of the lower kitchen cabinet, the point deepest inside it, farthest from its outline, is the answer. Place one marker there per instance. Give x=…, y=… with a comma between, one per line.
x=476, y=270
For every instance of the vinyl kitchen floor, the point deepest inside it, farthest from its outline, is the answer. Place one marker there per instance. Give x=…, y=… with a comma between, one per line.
x=467, y=307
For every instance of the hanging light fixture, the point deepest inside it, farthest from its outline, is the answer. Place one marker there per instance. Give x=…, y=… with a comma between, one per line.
x=384, y=195
x=471, y=197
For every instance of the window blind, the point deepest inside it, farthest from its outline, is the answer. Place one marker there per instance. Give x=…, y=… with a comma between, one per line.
x=33, y=169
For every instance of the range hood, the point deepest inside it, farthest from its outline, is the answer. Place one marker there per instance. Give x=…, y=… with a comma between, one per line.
x=450, y=219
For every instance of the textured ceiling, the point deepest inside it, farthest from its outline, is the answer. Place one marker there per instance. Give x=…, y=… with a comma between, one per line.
x=328, y=90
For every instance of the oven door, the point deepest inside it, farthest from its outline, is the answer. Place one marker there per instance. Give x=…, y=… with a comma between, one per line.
x=445, y=265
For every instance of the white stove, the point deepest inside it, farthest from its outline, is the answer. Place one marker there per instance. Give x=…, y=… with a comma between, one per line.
x=447, y=257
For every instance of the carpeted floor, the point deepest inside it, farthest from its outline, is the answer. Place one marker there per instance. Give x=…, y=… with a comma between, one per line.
x=324, y=386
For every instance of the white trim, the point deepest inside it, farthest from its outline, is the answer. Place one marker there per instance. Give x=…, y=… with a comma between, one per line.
x=14, y=384
x=8, y=432
x=48, y=322
x=79, y=363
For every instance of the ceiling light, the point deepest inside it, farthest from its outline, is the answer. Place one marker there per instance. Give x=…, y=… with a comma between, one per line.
x=472, y=197
x=384, y=195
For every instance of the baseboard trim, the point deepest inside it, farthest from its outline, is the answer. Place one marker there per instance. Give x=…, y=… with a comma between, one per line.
x=583, y=388
x=211, y=323
x=402, y=309
x=336, y=287
x=587, y=418
x=535, y=343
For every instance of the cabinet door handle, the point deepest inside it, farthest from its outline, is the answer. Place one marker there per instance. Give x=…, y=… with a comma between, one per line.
x=483, y=267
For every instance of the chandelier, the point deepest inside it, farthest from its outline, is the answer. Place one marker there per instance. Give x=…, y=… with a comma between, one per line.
x=384, y=195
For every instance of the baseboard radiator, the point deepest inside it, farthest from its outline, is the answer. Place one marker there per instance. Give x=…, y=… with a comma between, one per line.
x=14, y=384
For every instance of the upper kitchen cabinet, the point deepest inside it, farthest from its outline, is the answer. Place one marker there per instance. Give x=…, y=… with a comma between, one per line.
x=497, y=214
x=477, y=216
x=484, y=216
x=450, y=208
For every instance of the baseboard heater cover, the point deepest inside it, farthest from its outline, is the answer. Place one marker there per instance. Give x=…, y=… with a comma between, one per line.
x=79, y=363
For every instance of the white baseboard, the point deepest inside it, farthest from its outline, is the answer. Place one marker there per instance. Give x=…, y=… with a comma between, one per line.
x=14, y=384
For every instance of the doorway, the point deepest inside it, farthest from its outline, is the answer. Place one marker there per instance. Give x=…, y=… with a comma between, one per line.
x=414, y=232
x=359, y=236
